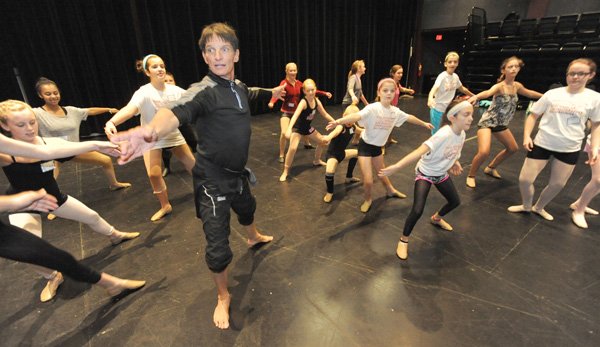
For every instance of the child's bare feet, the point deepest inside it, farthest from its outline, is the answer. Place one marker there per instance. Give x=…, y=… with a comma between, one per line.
x=221, y=315
x=260, y=238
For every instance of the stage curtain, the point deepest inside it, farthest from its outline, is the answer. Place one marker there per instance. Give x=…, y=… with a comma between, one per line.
x=89, y=47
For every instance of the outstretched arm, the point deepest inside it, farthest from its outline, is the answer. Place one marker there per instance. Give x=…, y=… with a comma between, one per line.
x=322, y=111
x=409, y=158
x=110, y=128
x=485, y=94
x=136, y=141
x=465, y=91
x=416, y=121
x=532, y=94
x=61, y=149
x=94, y=111
x=351, y=118
x=28, y=201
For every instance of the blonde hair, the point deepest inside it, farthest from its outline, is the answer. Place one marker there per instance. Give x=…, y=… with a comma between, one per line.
x=451, y=54
x=289, y=64
x=9, y=106
x=354, y=67
x=307, y=82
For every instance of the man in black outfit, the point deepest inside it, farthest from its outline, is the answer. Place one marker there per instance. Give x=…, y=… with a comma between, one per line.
x=218, y=106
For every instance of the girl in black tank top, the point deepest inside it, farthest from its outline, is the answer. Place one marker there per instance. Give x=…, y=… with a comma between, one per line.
x=301, y=125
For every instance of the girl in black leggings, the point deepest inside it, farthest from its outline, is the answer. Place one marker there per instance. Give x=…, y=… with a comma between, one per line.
x=20, y=245
x=438, y=156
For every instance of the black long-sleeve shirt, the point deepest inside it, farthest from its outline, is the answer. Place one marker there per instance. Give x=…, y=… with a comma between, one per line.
x=220, y=110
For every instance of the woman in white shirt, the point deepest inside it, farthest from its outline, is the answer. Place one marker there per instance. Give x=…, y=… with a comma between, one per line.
x=146, y=101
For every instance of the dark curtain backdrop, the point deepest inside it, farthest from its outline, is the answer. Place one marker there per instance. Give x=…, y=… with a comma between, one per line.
x=89, y=47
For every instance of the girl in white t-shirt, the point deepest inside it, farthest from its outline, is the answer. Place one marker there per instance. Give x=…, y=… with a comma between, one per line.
x=57, y=121
x=378, y=120
x=146, y=101
x=443, y=90
x=580, y=207
x=564, y=113
x=437, y=157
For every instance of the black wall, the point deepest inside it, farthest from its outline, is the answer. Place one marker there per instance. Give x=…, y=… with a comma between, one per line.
x=89, y=47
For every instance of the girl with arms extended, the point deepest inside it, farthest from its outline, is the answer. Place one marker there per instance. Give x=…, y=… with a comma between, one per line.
x=437, y=157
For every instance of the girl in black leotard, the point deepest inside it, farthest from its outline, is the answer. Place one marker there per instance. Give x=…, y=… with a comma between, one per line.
x=26, y=174
x=301, y=125
x=336, y=152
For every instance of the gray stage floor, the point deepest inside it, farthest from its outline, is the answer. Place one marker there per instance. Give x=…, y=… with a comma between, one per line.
x=331, y=277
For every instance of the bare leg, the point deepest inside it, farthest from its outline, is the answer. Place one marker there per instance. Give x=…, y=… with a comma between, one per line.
x=484, y=141
x=184, y=154
x=510, y=147
x=317, y=138
x=153, y=160
x=306, y=141
x=104, y=161
x=284, y=123
x=379, y=164
x=289, y=157
x=367, y=173
x=221, y=314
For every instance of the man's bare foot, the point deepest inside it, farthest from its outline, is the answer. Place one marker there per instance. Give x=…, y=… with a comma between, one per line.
x=319, y=163
x=221, y=315
x=283, y=177
x=119, y=185
x=260, y=238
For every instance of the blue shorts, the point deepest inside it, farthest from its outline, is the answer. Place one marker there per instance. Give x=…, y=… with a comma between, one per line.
x=436, y=119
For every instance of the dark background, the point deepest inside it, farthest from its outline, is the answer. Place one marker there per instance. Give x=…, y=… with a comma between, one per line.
x=89, y=47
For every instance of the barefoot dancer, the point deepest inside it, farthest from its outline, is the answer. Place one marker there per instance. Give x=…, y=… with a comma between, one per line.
x=218, y=106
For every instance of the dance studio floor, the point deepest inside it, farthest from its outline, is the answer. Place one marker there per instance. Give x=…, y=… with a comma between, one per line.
x=331, y=276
